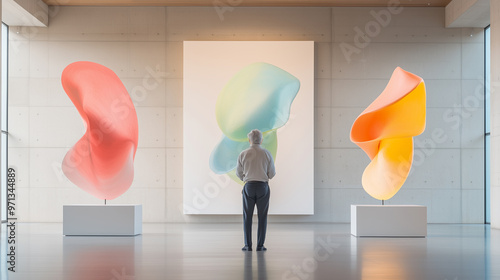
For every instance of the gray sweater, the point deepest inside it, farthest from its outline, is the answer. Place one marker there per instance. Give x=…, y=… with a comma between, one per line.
x=255, y=164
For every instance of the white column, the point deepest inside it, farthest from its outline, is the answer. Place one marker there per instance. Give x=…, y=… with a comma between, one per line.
x=495, y=113
x=1, y=178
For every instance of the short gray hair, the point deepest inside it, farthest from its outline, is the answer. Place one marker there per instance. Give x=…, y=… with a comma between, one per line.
x=255, y=136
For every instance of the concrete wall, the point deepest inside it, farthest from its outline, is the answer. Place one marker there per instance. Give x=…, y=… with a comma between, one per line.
x=356, y=51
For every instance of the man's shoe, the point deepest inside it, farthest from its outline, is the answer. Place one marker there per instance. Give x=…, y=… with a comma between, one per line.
x=246, y=248
x=261, y=248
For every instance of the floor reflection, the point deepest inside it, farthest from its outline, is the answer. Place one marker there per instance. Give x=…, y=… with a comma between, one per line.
x=448, y=252
x=458, y=252
x=100, y=257
x=492, y=254
x=213, y=251
x=390, y=258
x=248, y=271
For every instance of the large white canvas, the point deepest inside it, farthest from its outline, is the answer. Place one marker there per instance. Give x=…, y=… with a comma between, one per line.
x=208, y=66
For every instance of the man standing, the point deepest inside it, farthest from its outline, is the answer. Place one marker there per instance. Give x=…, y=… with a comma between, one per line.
x=255, y=168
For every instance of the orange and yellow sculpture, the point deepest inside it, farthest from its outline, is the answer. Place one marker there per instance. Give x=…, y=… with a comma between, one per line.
x=385, y=132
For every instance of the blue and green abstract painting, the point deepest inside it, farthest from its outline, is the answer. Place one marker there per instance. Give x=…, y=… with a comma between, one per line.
x=259, y=97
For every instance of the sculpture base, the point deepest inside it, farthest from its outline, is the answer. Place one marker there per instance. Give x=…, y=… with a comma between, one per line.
x=102, y=220
x=389, y=220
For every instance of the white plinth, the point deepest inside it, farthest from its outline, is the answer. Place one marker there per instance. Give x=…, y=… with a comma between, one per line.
x=389, y=220
x=102, y=219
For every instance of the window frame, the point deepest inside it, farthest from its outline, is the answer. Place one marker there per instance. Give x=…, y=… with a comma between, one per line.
x=4, y=120
x=487, y=138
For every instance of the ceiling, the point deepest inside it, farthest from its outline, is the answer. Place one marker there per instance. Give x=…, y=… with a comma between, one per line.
x=254, y=3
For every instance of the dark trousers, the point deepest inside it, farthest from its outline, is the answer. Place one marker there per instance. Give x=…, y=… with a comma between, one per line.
x=255, y=193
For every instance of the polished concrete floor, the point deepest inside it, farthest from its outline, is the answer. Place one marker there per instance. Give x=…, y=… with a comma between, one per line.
x=212, y=251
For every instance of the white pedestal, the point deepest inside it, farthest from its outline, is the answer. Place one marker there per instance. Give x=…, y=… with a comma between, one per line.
x=389, y=220
x=102, y=219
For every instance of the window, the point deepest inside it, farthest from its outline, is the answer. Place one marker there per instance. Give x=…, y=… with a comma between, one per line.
x=487, y=125
x=3, y=124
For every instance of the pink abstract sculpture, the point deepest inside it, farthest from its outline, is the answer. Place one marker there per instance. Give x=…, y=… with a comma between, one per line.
x=102, y=161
